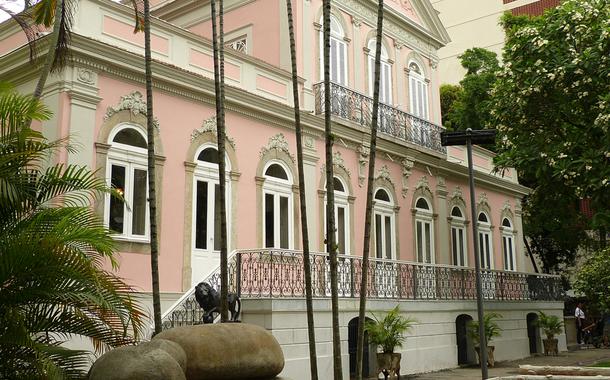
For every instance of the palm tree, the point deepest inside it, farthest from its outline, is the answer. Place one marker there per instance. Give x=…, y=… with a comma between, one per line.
x=52, y=251
x=218, y=46
x=152, y=182
x=330, y=199
x=313, y=358
x=369, y=194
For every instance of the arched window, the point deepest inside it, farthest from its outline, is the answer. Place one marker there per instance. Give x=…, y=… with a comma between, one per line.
x=338, y=52
x=485, y=242
x=385, y=80
x=342, y=222
x=206, y=202
x=508, y=245
x=458, y=237
x=383, y=211
x=424, y=231
x=127, y=173
x=277, y=206
x=418, y=90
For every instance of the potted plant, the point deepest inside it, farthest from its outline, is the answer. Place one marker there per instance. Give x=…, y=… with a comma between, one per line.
x=551, y=325
x=388, y=333
x=492, y=330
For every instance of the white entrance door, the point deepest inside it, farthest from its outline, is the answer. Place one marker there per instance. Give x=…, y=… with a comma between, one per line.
x=206, y=228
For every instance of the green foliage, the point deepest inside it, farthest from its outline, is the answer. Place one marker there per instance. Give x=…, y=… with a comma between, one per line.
x=449, y=95
x=593, y=279
x=492, y=329
x=52, y=251
x=551, y=102
x=388, y=333
x=551, y=324
x=472, y=100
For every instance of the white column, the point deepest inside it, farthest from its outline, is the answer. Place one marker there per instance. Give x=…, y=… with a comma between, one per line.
x=83, y=106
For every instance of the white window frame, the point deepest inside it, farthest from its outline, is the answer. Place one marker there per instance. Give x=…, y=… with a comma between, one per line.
x=131, y=158
x=384, y=209
x=508, y=236
x=484, y=229
x=418, y=92
x=337, y=35
x=278, y=187
x=458, y=224
x=341, y=201
x=424, y=217
x=385, y=81
x=208, y=172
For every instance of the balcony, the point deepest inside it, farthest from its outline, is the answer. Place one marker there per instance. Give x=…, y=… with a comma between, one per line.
x=272, y=274
x=358, y=108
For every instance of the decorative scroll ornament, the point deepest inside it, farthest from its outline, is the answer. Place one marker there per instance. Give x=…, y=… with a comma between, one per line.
x=407, y=166
x=483, y=198
x=209, y=125
x=338, y=161
x=384, y=173
x=506, y=207
x=134, y=102
x=423, y=183
x=457, y=193
x=363, y=159
x=440, y=181
x=85, y=76
x=277, y=142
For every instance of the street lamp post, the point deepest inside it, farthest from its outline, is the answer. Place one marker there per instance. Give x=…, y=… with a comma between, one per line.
x=469, y=137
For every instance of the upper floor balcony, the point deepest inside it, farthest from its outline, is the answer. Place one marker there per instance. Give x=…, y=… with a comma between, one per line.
x=278, y=273
x=355, y=107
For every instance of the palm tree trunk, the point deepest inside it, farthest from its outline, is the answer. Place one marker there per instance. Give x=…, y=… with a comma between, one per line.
x=152, y=188
x=330, y=200
x=369, y=195
x=218, y=45
x=50, y=56
x=313, y=358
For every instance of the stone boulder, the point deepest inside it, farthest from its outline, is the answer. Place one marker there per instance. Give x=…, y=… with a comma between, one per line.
x=223, y=351
x=156, y=360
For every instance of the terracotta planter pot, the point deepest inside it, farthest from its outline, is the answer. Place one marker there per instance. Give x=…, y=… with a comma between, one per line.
x=491, y=361
x=550, y=346
x=389, y=365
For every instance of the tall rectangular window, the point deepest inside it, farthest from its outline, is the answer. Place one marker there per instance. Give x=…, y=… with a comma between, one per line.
x=117, y=206
x=269, y=221
x=201, y=215
x=140, y=193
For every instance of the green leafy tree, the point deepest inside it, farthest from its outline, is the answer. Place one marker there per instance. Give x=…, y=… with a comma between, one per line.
x=551, y=103
x=449, y=95
x=593, y=279
x=52, y=250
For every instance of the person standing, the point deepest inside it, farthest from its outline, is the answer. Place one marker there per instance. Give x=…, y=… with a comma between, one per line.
x=579, y=314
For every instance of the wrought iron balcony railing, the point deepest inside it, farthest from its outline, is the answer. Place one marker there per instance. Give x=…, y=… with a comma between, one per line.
x=270, y=273
x=358, y=108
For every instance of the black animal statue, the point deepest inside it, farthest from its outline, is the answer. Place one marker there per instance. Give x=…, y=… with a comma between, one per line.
x=209, y=299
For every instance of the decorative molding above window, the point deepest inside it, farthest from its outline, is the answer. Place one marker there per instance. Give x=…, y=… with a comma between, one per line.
x=133, y=102
x=338, y=161
x=210, y=125
x=277, y=142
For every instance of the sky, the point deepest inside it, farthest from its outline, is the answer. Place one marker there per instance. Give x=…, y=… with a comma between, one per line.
x=13, y=5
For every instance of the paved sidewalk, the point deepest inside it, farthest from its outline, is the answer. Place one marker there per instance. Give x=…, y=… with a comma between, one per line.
x=575, y=358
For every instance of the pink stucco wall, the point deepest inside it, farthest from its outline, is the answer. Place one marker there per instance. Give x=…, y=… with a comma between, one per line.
x=263, y=16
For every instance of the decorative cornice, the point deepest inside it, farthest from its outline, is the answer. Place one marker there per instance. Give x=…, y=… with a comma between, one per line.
x=277, y=142
x=133, y=103
x=210, y=126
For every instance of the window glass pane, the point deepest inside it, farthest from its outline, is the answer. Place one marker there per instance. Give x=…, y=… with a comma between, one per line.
x=216, y=213
x=209, y=155
x=378, y=238
x=276, y=171
x=117, y=206
x=506, y=223
x=481, y=252
x=421, y=203
x=269, y=232
x=419, y=237
x=487, y=251
x=428, y=235
x=511, y=255
x=334, y=77
x=483, y=218
x=388, y=237
x=138, y=216
x=130, y=136
x=201, y=215
x=461, y=246
x=341, y=63
x=454, y=245
x=456, y=212
x=382, y=195
x=341, y=230
x=283, y=222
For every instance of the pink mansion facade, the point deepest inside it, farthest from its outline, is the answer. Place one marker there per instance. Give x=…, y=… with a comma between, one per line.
x=422, y=241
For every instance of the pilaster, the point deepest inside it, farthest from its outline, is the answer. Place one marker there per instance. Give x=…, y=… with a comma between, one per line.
x=444, y=253
x=310, y=163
